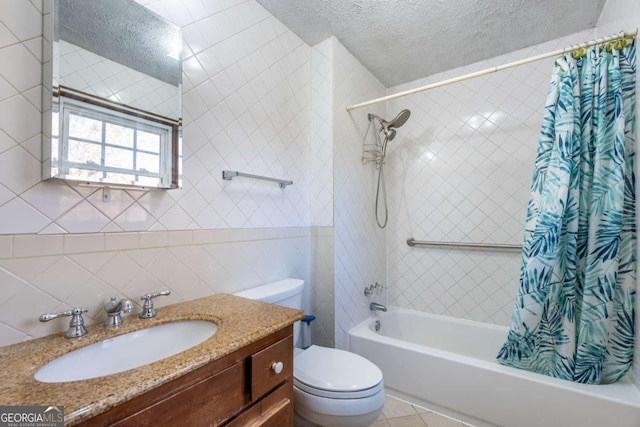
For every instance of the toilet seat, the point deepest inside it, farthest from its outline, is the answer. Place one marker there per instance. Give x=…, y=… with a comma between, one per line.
x=336, y=374
x=339, y=394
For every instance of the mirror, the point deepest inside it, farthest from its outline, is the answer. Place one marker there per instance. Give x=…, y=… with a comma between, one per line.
x=115, y=116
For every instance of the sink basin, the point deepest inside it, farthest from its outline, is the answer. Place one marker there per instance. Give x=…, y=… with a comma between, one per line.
x=126, y=351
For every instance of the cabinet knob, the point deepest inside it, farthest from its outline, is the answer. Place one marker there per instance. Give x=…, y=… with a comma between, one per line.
x=277, y=367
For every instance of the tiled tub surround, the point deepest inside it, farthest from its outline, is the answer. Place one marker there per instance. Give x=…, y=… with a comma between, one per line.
x=240, y=322
x=459, y=170
x=51, y=273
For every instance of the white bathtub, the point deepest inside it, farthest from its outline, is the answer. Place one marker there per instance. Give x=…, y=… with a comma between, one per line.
x=448, y=365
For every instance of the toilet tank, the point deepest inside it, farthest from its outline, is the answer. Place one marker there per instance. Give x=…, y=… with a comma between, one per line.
x=287, y=292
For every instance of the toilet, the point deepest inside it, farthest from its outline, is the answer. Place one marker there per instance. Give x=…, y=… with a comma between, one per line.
x=331, y=387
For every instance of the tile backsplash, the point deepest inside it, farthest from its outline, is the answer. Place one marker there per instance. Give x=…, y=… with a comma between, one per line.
x=51, y=273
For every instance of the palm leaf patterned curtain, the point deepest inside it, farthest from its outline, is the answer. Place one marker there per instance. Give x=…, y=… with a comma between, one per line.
x=574, y=313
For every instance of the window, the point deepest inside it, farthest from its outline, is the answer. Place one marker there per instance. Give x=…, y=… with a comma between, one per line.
x=97, y=144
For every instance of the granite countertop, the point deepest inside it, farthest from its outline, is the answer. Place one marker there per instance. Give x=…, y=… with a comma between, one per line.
x=240, y=322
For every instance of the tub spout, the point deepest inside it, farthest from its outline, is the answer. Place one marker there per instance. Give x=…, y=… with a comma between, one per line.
x=377, y=307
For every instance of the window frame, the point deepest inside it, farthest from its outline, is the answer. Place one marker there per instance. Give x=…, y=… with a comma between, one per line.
x=85, y=105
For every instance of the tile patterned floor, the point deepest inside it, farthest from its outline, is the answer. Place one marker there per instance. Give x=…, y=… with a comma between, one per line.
x=397, y=413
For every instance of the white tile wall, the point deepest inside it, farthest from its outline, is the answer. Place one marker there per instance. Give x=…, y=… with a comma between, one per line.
x=321, y=134
x=616, y=16
x=359, y=244
x=49, y=273
x=321, y=203
x=246, y=107
x=459, y=171
x=322, y=289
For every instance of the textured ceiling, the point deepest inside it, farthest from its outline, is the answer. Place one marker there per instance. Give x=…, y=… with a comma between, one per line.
x=402, y=40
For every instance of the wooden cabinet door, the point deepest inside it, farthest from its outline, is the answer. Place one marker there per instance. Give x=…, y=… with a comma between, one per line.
x=207, y=403
x=275, y=410
x=264, y=377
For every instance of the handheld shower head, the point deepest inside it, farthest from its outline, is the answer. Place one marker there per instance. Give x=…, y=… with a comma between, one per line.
x=390, y=133
x=389, y=130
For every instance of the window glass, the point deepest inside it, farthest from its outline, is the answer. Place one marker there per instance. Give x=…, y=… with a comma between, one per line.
x=148, y=162
x=84, y=152
x=148, y=141
x=119, y=135
x=85, y=128
x=119, y=158
x=101, y=145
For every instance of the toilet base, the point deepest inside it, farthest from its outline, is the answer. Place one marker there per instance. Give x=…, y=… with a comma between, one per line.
x=333, y=421
x=313, y=411
x=298, y=421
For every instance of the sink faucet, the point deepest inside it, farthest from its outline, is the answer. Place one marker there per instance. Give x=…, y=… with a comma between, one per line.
x=76, y=325
x=377, y=307
x=147, y=307
x=113, y=309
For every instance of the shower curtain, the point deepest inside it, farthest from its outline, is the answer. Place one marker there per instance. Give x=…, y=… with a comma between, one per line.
x=574, y=313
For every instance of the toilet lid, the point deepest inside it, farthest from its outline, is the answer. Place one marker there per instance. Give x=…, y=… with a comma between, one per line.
x=335, y=370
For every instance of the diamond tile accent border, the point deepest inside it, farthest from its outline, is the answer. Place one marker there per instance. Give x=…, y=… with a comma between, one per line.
x=49, y=273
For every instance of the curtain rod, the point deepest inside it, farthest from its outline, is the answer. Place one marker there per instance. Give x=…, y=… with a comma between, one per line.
x=469, y=76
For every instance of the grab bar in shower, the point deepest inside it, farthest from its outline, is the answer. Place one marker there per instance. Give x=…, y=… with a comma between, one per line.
x=229, y=175
x=413, y=242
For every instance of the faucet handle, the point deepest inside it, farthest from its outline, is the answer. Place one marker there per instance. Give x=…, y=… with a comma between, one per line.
x=76, y=325
x=147, y=307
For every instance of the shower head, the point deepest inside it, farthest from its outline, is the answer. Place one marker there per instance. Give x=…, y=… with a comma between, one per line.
x=389, y=127
x=398, y=121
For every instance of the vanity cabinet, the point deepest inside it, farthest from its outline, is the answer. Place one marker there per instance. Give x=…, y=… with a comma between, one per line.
x=245, y=388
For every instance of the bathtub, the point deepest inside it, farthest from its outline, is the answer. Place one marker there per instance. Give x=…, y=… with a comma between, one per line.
x=448, y=365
